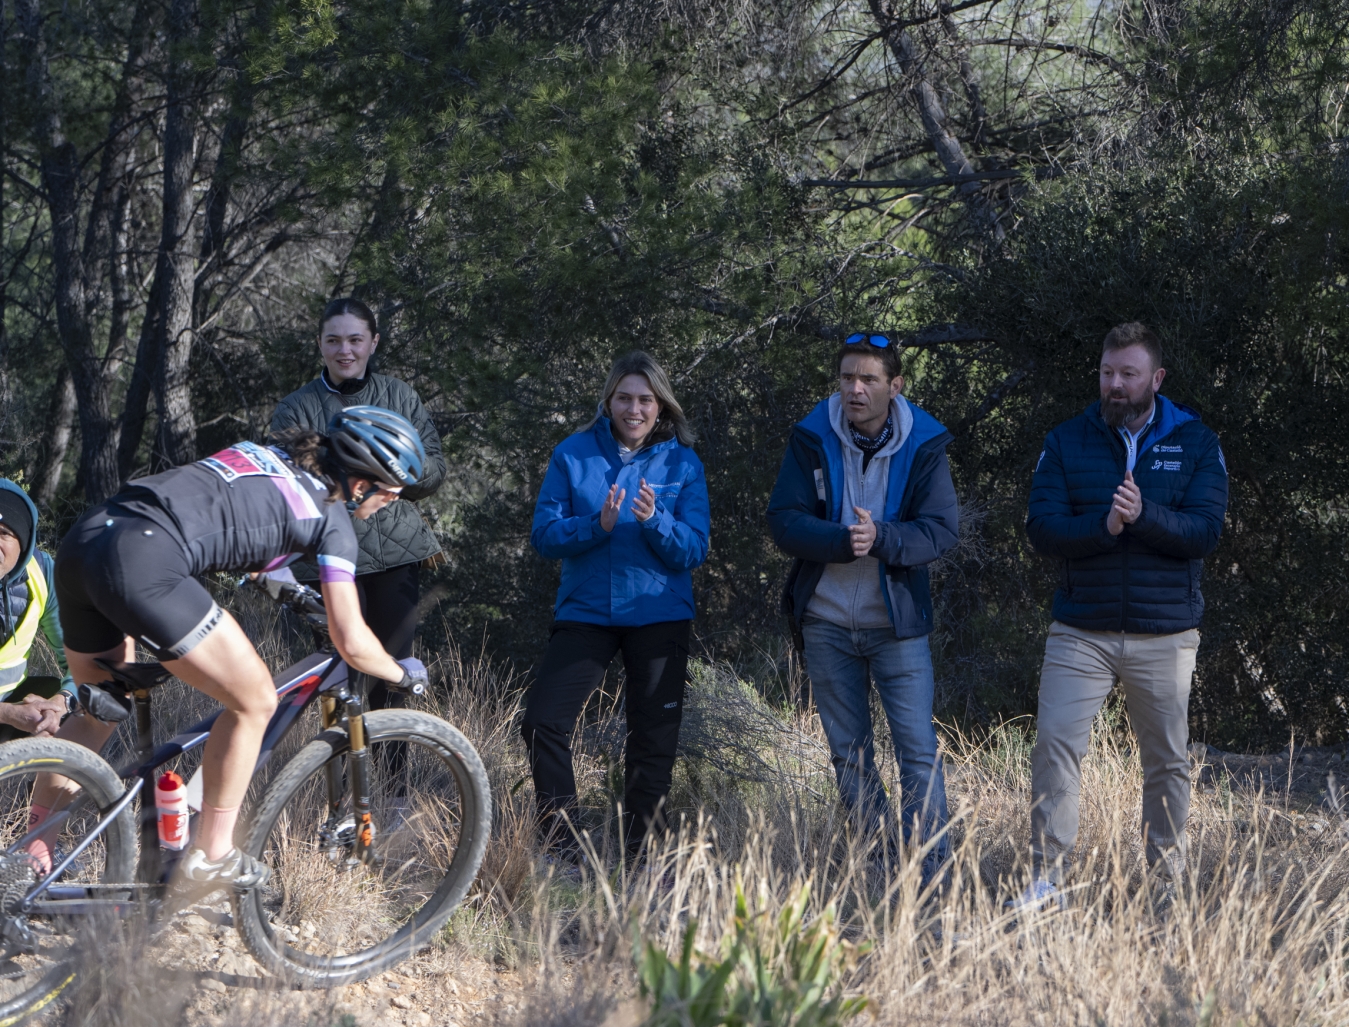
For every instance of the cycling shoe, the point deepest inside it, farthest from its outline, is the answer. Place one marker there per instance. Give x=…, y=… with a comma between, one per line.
x=235, y=869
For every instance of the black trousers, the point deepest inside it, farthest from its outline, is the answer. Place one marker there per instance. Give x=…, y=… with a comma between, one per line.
x=389, y=605
x=655, y=657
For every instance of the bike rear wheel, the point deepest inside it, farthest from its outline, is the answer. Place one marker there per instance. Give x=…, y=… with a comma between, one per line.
x=38, y=952
x=326, y=919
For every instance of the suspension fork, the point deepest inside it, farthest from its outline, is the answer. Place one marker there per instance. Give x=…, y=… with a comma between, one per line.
x=358, y=774
x=333, y=770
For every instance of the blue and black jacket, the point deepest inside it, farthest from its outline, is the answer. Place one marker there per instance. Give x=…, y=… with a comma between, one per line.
x=1146, y=579
x=920, y=523
x=640, y=572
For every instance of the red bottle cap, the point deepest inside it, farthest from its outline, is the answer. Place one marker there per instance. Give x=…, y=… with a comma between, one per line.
x=169, y=782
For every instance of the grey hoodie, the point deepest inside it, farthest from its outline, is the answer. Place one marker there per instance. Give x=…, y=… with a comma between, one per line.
x=849, y=594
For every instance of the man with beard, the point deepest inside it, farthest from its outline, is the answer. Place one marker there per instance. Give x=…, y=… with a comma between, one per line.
x=1129, y=497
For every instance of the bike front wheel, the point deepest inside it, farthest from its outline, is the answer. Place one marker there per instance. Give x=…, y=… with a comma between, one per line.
x=326, y=918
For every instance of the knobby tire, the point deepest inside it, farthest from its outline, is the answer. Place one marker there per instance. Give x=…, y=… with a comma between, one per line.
x=103, y=787
x=262, y=915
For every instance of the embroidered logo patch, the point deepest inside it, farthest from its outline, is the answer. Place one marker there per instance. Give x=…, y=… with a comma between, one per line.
x=1168, y=449
x=1166, y=465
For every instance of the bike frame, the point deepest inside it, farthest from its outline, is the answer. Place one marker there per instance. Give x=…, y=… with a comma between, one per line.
x=322, y=675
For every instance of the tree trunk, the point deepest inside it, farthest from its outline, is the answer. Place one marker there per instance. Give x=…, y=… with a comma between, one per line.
x=933, y=115
x=177, y=263
x=140, y=388
x=60, y=420
x=59, y=164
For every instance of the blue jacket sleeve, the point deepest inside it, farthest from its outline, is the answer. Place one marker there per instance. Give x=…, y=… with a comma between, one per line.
x=1051, y=524
x=934, y=526
x=1191, y=530
x=796, y=529
x=51, y=623
x=679, y=537
x=558, y=533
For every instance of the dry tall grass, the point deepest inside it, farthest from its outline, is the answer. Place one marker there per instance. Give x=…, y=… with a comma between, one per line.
x=1257, y=936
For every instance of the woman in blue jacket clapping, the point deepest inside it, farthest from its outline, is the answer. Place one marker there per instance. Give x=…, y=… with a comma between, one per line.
x=624, y=507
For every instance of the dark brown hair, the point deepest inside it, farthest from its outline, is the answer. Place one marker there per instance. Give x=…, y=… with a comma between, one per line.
x=308, y=450
x=348, y=305
x=889, y=355
x=1134, y=333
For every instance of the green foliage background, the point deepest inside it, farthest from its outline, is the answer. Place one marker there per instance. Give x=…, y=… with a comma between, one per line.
x=525, y=198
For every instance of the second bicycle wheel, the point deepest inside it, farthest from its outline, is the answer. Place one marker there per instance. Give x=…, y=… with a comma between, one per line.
x=40, y=953
x=326, y=919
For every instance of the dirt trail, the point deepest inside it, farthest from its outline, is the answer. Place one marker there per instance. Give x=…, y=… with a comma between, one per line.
x=227, y=987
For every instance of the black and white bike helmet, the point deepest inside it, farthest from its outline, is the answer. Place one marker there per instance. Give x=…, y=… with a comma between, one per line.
x=371, y=442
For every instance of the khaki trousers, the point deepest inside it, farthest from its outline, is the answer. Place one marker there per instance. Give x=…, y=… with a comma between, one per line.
x=1079, y=671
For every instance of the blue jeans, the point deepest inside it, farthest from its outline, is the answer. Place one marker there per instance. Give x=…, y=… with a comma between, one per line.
x=842, y=663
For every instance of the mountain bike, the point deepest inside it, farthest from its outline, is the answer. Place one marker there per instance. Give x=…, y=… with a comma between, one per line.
x=374, y=831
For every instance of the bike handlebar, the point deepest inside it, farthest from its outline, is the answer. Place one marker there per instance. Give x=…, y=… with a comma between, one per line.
x=306, y=601
x=301, y=598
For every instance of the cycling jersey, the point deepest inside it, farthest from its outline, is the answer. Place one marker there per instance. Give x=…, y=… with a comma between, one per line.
x=248, y=508
x=129, y=566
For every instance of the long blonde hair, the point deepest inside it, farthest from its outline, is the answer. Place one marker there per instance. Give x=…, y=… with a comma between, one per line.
x=671, y=424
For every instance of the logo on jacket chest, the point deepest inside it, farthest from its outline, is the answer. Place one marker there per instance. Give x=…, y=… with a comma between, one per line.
x=1163, y=464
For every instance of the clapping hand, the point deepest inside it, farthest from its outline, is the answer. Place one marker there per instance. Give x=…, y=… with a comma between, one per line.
x=1127, y=507
x=612, y=505
x=863, y=533
x=644, y=506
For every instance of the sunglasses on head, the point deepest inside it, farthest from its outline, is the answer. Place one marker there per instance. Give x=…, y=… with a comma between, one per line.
x=879, y=341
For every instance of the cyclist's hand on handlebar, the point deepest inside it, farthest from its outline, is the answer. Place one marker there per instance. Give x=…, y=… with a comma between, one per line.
x=415, y=678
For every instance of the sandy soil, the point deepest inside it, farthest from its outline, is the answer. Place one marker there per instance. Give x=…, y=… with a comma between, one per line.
x=226, y=986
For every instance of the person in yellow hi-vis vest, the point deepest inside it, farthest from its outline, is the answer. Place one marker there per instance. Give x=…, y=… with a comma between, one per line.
x=28, y=704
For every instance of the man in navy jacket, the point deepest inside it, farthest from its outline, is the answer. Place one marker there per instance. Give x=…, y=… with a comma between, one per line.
x=1130, y=497
x=864, y=501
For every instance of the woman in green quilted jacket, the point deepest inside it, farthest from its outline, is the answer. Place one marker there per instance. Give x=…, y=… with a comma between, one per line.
x=396, y=541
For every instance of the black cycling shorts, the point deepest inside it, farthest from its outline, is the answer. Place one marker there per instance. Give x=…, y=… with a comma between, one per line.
x=119, y=574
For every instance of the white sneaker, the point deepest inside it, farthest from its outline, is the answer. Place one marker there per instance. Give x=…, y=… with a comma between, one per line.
x=235, y=869
x=1039, y=894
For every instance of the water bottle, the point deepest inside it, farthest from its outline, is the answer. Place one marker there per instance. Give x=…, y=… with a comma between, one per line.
x=171, y=802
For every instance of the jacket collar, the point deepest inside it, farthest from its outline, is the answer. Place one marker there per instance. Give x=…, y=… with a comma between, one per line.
x=900, y=412
x=818, y=424
x=350, y=387
x=604, y=436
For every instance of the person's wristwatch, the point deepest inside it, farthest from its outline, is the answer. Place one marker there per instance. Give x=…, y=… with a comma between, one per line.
x=72, y=704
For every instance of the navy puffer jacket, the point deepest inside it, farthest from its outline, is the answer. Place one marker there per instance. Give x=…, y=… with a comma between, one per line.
x=1146, y=579
x=920, y=521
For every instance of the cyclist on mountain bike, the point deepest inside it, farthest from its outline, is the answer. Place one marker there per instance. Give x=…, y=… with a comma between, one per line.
x=127, y=572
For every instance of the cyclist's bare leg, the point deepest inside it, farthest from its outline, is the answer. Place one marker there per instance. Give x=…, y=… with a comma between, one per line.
x=226, y=667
